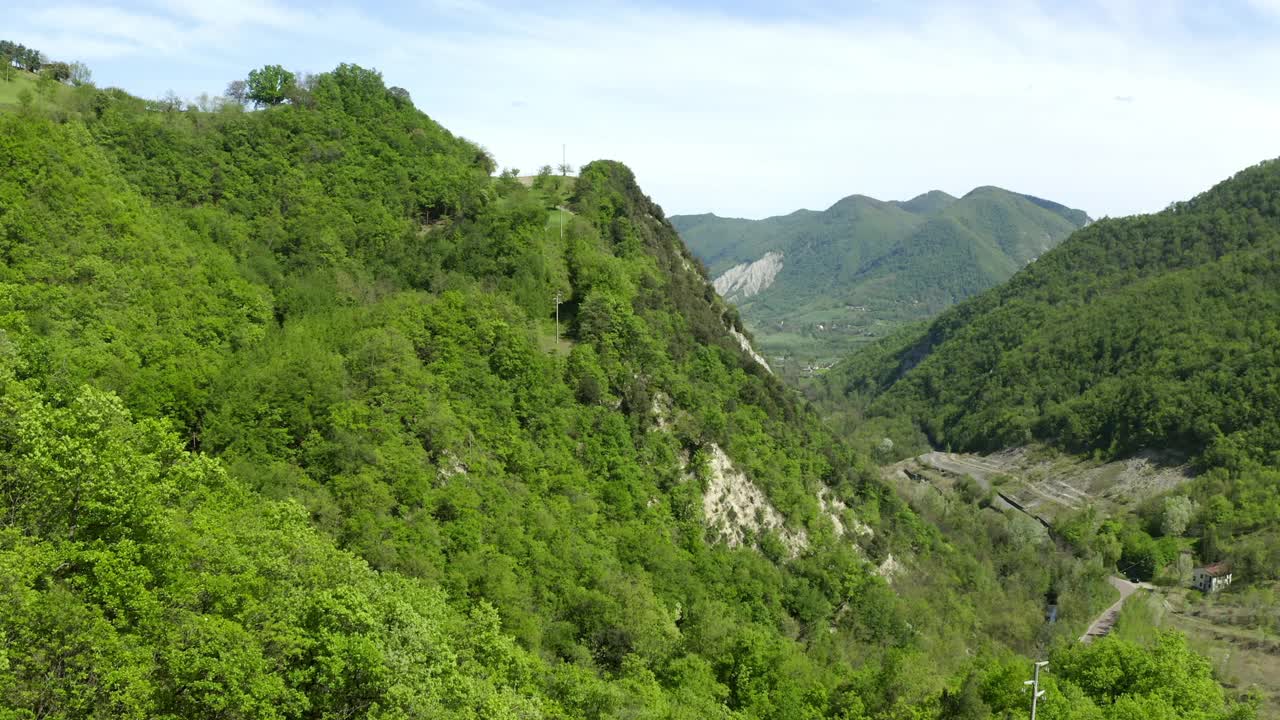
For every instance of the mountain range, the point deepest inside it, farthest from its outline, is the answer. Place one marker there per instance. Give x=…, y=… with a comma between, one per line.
x=815, y=285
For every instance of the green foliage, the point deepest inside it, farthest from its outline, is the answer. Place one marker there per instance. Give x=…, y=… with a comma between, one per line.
x=1156, y=331
x=280, y=437
x=854, y=271
x=269, y=85
x=29, y=59
x=1110, y=679
x=1126, y=680
x=1178, y=512
x=79, y=73
x=543, y=180
x=57, y=71
x=158, y=587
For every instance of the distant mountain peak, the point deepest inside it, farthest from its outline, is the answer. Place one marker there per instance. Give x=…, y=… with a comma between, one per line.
x=987, y=190
x=926, y=203
x=856, y=201
x=859, y=268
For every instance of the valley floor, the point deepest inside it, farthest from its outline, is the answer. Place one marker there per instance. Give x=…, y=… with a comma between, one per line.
x=1242, y=657
x=1238, y=630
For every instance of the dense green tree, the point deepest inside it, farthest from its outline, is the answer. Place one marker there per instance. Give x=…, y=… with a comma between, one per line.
x=1178, y=512
x=543, y=180
x=269, y=85
x=30, y=59
x=400, y=94
x=59, y=71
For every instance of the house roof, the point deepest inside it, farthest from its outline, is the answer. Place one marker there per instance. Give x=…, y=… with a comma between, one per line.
x=1217, y=569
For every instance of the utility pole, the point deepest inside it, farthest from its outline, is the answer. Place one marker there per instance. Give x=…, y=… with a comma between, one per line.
x=558, y=301
x=1036, y=692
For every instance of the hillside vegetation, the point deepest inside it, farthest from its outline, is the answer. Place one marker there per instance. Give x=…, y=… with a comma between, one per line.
x=286, y=432
x=863, y=267
x=1157, y=332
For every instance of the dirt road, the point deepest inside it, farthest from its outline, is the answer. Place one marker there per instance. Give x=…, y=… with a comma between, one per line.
x=1107, y=619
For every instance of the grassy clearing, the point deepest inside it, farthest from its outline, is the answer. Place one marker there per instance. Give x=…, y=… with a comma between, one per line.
x=548, y=344
x=11, y=90
x=558, y=216
x=1244, y=659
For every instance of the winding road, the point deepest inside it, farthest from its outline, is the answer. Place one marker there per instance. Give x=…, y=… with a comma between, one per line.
x=1107, y=619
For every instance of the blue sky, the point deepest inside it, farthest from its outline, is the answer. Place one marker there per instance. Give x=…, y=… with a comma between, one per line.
x=758, y=108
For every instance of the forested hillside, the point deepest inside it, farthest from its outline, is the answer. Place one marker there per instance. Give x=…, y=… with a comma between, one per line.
x=1153, y=332
x=829, y=282
x=288, y=430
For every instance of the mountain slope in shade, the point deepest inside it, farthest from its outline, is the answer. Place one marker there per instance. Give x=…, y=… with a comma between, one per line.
x=860, y=268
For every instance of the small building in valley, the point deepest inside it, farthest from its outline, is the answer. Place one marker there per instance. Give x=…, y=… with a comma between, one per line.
x=1212, y=578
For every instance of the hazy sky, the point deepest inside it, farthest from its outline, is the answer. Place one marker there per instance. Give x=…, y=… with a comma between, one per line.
x=759, y=108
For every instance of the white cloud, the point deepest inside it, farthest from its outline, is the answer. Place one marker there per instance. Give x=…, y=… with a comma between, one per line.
x=166, y=30
x=105, y=30
x=234, y=13
x=752, y=117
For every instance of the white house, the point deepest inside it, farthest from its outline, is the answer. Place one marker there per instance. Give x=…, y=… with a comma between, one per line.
x=1212, y=578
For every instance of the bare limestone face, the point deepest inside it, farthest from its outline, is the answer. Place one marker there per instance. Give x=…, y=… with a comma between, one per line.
x=889, y=569
x=742, y=281
x=746, y=348
x=836, y=510
x=735, y=506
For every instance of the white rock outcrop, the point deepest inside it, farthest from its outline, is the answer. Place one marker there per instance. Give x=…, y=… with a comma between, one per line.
x=835, y=509
x=746, y=348
x=890, y=568
x=735, y=506
x=746, y=279
x=661, y=411
x=451, y=466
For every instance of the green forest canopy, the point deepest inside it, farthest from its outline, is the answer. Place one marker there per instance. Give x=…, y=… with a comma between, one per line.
x=1152, y=332
x=285, y=433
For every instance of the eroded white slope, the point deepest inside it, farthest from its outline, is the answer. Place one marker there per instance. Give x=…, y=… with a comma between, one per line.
x=746, y=279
